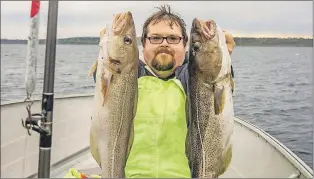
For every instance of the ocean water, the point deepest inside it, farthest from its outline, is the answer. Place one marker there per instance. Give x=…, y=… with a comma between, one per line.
x=273, y=86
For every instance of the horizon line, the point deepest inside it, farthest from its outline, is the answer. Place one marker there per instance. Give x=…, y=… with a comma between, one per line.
x=235, y=36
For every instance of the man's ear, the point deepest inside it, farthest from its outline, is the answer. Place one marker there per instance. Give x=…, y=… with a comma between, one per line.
x=143, y=43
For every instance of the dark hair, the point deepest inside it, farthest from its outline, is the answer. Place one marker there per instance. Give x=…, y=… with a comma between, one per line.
x=165, y=13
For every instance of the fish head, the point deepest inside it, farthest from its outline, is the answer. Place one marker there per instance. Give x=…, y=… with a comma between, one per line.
x=122, y=48
x=207, y=48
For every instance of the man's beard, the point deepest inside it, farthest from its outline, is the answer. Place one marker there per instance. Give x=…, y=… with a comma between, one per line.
x=164, y=59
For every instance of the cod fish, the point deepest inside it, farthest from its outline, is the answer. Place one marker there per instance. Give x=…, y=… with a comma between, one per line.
x=115, y=99
x=209, y=147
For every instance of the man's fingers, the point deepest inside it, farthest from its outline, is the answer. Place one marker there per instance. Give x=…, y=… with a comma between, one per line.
x=230, y=48
x=229, y=40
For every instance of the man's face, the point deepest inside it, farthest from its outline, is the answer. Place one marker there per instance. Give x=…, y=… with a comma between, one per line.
x=164, y=58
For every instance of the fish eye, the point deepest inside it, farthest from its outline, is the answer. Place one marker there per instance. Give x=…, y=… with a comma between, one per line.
x=127, y=40
x=197, y=46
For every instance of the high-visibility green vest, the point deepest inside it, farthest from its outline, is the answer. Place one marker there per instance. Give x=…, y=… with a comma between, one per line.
x=160, y=131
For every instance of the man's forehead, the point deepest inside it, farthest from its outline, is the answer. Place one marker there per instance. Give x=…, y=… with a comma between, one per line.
x=163, y=28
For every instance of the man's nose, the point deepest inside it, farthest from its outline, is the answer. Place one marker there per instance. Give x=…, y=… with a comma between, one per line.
x=164, y=43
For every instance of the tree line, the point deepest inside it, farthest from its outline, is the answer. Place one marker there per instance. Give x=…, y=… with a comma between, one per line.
x=240, y=41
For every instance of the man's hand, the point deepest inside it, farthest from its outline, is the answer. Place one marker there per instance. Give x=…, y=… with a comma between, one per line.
x=230, y=41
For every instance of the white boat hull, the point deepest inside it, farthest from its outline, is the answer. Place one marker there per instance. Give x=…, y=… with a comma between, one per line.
x=256, y=154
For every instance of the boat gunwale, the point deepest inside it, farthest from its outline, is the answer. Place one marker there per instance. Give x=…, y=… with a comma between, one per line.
x=285, y=151
x=62, y=97
x=280, y=147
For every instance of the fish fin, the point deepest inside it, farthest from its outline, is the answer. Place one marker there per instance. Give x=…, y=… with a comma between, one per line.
x=92, y=70
x=105, y=82
x=232, y=85
x=102, y=32
x=94, y=150
x=226, y=161
x=131, y=139
x=188, y=152
x=93, y=138
x=94, y=67
x=228, y=157
x=219, y=99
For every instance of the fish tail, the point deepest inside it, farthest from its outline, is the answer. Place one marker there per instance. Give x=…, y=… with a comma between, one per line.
x=93, y=69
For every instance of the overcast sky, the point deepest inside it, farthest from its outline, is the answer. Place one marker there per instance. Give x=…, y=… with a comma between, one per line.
x=241, y=18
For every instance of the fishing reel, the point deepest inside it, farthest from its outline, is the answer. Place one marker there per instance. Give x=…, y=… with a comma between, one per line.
x=34, y=121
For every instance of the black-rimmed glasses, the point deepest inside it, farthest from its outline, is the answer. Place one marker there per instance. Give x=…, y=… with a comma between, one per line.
x=159, y=39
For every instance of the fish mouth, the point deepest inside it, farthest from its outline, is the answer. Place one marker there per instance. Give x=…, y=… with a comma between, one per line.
x=207, y=29
x=122, y=22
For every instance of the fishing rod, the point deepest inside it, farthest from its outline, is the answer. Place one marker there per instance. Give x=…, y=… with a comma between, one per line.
x=48, y=91
x=42, y=122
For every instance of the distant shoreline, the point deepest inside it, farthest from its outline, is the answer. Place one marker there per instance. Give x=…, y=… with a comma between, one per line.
x=240, y=41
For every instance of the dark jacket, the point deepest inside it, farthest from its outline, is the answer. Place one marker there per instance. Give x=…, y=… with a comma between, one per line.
x=181, y=73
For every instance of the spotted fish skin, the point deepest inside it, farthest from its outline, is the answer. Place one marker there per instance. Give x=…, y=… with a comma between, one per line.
x=115, y=99
x=209, y=141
